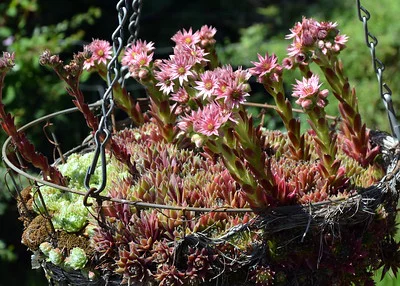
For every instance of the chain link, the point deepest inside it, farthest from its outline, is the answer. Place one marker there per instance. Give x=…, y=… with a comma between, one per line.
x=135, y=10
x=134, y=20
x=103, y=133
x=378, y=66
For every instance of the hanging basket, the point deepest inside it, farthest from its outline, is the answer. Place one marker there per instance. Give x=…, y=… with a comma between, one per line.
x=190, y=191
x=288, y=245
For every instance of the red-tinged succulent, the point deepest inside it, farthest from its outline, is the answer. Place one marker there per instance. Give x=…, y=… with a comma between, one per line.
x=262, y=275
x=176, y=223
x=146, y=228
x=226, y=191
x=170, y=275
x=200, y=263
x=296, y=180
x=104, y=244
x=315, y=195
x=217, y=220
x=118, y=190
x=390, y=258
x=133, y=266
x=19, y=138
x=162, y=253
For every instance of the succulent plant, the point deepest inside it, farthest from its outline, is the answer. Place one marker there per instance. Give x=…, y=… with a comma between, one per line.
x=76, y=259
x=262, y=275
x=45, y=247
x=133, y=266
x=56, y=256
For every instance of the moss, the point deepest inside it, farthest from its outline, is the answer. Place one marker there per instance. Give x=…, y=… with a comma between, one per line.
x=68, y=241
x=24, y=205
x=38, y=231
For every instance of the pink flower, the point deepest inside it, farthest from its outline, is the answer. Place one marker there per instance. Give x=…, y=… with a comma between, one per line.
x=207, y=32
x=310, y=37
x=225, y=76
x=180, y=67
x=340, y=42
x=266, y=66
x=295, y=48
x=241, y=75
x=287, y=63
x=143, y=46
x=326, y=29
x=207, y=84
x=186, y=37
x=101, y=51
x=193, y=51
x=180, y=96
x=186, y=122
x=210, y=119
x=231, y=85
x=207, y=36
x=234, y=94
x=141, y=59
x=309, y=93
x=88, y=63
x=165, y=81
x=295, y=31
x=131, y=52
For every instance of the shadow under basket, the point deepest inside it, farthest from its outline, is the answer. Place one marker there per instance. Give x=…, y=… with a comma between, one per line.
x=324, y=243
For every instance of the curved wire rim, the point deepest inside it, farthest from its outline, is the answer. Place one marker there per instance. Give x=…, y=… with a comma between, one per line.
x=141, y=204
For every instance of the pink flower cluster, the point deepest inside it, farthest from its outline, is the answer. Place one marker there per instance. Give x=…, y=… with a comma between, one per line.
x=222, y=89
x=311, y=37
x=206, y=121
x=224, y=83
x=183, y=65
x=101, y=53
x=138, y=55
x=188, y=74
x=309, y=93
x=204, y=37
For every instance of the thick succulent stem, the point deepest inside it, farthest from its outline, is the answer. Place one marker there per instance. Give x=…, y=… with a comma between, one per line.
x=123, y=99
x=242, y=154
x=161, y=110
x=24, y=146
x=326, y=141
x=284, y=109
x=71, y=74
x=357, y=136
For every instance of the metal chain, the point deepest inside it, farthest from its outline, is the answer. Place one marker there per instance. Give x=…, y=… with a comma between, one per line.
x=135, y=10
x=103, y=133
x=134, y=20
x=379, y=67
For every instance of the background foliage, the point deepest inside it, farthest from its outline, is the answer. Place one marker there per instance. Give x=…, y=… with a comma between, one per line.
x=245, y=28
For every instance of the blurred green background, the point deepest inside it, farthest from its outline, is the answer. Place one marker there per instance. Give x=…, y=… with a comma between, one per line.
x=245, y=28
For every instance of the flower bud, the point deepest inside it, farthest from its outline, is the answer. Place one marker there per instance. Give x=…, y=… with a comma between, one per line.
x=157, y=63
x=91, y=275
x=198, y=140
x=143, y=74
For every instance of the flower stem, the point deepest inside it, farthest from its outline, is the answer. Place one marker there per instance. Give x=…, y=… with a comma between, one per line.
x=25, y=147
x=357, y=136
x=292, y=125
